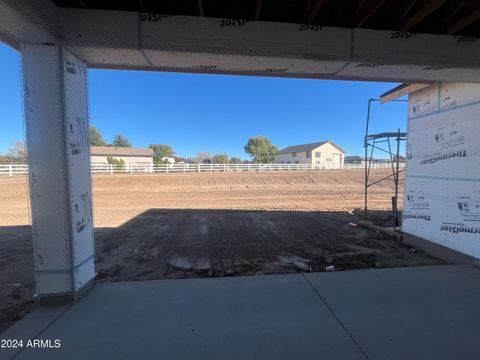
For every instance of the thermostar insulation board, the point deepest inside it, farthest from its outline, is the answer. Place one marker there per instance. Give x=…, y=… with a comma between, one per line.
x=78, y=162
x=56, y=117
x=442, y=185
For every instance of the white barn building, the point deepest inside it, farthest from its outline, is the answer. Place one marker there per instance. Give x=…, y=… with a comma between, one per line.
x=131, y=156
x=319, y=153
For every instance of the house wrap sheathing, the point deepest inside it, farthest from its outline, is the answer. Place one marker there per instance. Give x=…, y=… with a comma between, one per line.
x=442, y=184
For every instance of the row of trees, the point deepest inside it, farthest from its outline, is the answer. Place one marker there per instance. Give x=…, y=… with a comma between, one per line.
x=96, y=139
x=162, y=151
x=223, y=158
x=260, y=149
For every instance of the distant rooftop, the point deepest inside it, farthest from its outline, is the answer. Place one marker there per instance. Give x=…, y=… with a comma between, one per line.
x=353, y=157
x=120, y=151
x=307, y=147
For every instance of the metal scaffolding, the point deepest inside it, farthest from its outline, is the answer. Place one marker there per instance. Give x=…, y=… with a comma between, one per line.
x=383, y=142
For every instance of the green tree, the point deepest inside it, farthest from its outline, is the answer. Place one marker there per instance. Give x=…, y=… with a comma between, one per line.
x=118, y=163
x=160, y=161
x=161, y=151
x=121, y=141
x=220, y=159
x=260, y=149
x=235, y=160
x=96, y=138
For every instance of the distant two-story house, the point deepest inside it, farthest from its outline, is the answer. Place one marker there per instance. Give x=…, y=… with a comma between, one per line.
x=320, y=153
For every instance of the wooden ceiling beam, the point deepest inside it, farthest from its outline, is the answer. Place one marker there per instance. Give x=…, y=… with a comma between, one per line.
x=258, y=9
x=312, y=10
x=464, y=22
x=355, y=12
x=421, y=14
x=407, y=6
x=367, y=11
x=201, y=11
x=82, y=3
x=454, y=13
x=142, y=6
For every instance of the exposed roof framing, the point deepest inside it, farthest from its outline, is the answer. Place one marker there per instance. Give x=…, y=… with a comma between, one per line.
x=258, y=9
x=423, y=16
x=405, y=8
x=201, y=11
x=141, y=3
x=313, y=9
x=367, y=10
x=463, y=22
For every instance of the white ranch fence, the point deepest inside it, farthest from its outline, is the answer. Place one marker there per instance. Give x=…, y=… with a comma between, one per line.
x=21, y=169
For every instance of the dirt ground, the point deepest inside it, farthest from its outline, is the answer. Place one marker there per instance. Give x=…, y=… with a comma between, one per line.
x=210, y=224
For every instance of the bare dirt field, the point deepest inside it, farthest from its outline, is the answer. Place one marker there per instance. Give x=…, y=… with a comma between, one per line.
x=210, y=224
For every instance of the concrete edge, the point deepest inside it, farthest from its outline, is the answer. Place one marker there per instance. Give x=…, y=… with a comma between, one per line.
x=293, y=275
x=439, y=251
x=34, y=324
x=31, y=327
x=196, y=279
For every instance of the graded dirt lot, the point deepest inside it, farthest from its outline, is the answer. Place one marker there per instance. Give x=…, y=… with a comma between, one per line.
x=210, y=224
x=119, y=198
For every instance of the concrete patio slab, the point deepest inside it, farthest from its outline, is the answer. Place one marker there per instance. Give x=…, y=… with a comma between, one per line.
x=37, y=322
x=430, y=312
x=265, y=317
x=402, y=313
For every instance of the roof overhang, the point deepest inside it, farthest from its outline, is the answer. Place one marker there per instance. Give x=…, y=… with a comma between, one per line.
x=400, y=91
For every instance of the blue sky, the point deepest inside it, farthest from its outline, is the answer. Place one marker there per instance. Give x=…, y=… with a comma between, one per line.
x=214, y=113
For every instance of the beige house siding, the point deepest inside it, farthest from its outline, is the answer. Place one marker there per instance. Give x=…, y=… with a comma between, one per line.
x=131, y=156
x=129, y=160
x=300, y=158
x=330, y=154
x=325, y=154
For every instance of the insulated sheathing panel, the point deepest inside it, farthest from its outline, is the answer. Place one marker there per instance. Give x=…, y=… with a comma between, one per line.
x=379, y=51
x=56, y=118
x=182, y=43
x=442, y=187
x=111, y=57
x=45, y=133
x=32, y=21
x=406, y=72
x=256, y=65
x=389, y=46
x=116, y=43
x=78, y=168
x=154, y=41
x=248, y=38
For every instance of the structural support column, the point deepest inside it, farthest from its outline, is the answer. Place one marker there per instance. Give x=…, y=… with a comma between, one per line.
x=56, y=117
